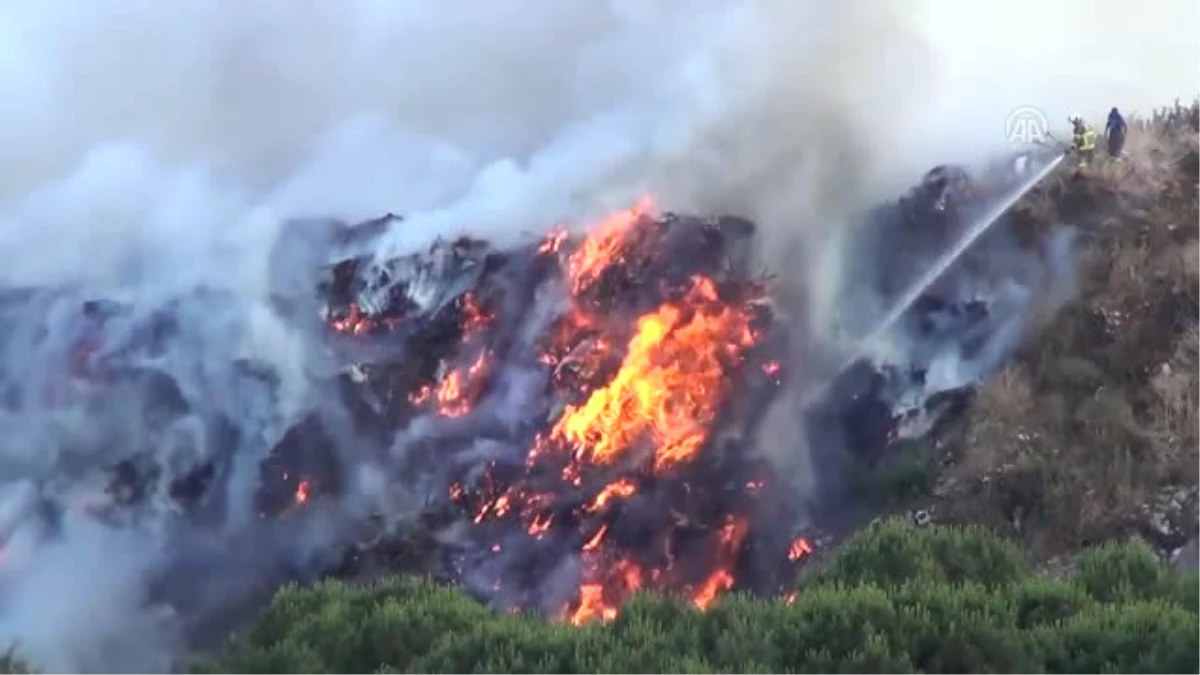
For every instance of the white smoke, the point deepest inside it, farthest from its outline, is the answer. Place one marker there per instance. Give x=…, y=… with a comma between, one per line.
x=92, y=571
x=152, y=148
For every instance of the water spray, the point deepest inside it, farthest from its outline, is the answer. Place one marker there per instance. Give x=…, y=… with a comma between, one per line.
x=919, y=287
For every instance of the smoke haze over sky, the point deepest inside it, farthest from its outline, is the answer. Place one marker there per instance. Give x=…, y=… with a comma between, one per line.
x=154, y=124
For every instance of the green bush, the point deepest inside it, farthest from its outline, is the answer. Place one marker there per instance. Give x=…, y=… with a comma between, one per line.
x=896, y=599
x=906, y=474
x=894, y=552
x=1123, y=571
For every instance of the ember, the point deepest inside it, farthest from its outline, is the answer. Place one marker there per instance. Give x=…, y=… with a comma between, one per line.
x=302, y=492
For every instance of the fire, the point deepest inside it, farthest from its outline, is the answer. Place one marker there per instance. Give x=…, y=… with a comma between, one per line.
x=454, y=394
x=601, y=600
x=356, y=322
x=539, y=527
x=475, y=317
x=669, y=387
x=594, y=542
x=302, y=492
x=729, y=541
x=799, y=549
x=617, y=490
x=553, y=242
x=592, y=606
x=621, y=474
x=604, y=246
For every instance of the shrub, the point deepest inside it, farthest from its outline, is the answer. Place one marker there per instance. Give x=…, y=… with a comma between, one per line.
x=968, y=602
x=907, y=473
x=894, y=552
x=1124, y=571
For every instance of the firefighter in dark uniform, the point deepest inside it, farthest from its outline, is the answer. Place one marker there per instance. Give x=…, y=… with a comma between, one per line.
x=1115, y=130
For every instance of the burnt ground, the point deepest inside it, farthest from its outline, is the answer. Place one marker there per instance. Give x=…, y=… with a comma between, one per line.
x=1091, y=433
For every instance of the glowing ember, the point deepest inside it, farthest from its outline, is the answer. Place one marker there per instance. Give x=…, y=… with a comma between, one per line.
x=799, y=549
x=454, y=394
x=355, y=322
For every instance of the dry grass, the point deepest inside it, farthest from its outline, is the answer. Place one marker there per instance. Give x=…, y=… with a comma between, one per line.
x=1100, y=412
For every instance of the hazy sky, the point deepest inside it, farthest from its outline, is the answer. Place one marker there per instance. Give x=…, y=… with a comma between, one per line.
x=1067, y=55
x=185, y=127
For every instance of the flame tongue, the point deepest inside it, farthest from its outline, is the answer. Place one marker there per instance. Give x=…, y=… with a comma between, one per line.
x=669, y=387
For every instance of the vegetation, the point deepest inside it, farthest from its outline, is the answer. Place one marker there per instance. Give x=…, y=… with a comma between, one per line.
x=896, y=599
x=906, y=474
x=1098, y=416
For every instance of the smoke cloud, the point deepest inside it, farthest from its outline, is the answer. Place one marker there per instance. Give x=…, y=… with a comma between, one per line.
x=153, y=148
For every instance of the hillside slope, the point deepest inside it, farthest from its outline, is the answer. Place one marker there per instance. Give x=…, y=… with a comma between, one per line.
x=1091, y=433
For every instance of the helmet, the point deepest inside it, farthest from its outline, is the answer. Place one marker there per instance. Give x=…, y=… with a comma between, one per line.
x=1075, y=118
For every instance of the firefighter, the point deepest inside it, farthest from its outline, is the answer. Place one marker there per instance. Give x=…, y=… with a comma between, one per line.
x=1084, y=141
x=1115, y=130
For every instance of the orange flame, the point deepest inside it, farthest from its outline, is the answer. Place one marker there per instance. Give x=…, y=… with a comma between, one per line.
x=592, y=606
x=669, y=387
x=729, y=540
x=475, y=317
x=553, y=242
x=799, y=549
x=618, y=490
x=455, y=393
x=596, y=600
x=302, y=492
x=603, y=246
x=596, y=539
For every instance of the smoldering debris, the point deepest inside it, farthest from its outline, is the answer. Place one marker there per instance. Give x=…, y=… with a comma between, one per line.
x=553, y=426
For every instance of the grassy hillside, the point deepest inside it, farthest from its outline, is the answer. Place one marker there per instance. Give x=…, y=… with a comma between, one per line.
x=1092, y=433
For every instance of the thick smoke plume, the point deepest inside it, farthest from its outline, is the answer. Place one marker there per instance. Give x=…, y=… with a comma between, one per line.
x=151, y=158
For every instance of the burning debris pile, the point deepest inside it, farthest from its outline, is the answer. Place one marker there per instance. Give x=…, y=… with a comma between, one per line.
x=564, y=423
x=586, y=407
